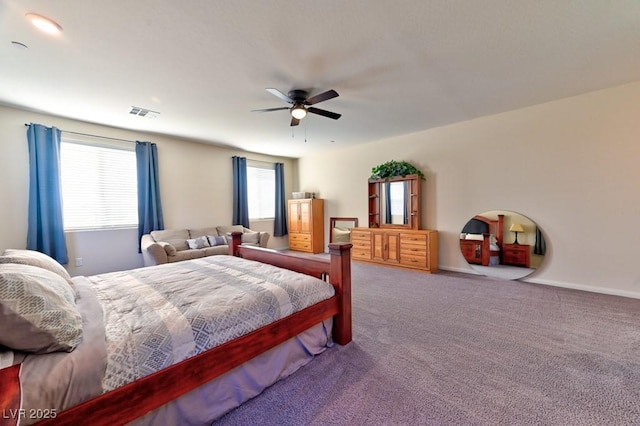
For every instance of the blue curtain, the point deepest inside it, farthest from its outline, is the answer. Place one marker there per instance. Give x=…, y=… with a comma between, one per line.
x=45, y=232
x=149, y=205
x=280, y=223
x=240, y=198
x=540, y=246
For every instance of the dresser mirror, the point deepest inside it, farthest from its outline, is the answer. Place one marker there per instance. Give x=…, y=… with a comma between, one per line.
x=502, y=244
x=395, y=202
x=340, y=229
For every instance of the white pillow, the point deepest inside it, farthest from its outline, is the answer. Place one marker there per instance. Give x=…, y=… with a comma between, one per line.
x=251, y=237
x=198, y=243
x=37, y=310
x=36, y=258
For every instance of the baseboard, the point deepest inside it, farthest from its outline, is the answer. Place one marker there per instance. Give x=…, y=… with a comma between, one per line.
x=582, y=287
x=593, y=289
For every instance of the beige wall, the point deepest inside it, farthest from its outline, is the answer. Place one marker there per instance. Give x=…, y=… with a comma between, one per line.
x=195, y=181
x=570, y=165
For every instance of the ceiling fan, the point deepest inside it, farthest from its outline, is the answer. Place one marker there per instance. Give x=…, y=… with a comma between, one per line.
x=300, y=100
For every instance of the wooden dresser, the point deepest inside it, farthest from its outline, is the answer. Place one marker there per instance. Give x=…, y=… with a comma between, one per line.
x=516, y=255
x=306, y=225
x=406, y=248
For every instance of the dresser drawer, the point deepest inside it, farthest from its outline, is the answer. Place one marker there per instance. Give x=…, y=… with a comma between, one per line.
x=415, y=250
x=413, y=239
x=413, y=260
x=515, y=257
x=360, y=235
x=300, y=245
x=362, y=254
x=360, y=244
x=299, y=237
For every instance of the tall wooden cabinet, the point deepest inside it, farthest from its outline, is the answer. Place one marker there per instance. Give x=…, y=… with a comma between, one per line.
x=306, y=224
x=407, y=248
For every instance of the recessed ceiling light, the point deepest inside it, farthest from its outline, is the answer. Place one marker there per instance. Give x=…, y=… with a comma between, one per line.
x=44, y=24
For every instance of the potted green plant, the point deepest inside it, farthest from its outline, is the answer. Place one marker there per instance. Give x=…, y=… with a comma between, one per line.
x=394, y=168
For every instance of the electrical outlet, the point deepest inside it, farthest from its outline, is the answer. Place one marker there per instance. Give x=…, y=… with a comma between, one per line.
x=78, y=261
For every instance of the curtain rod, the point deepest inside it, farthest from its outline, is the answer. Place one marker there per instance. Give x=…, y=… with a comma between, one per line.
x=94, y=136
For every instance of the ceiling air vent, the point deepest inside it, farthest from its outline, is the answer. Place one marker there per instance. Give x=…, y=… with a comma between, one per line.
x=142, y=112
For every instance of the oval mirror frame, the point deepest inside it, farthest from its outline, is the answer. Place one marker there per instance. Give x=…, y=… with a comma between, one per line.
x=502, y=244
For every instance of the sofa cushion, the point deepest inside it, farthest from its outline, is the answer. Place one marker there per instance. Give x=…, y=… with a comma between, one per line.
x=202, y=232
x=198, y=243
x=186, y=255
x=176, y=237
x=217, y=240
x=210, y=251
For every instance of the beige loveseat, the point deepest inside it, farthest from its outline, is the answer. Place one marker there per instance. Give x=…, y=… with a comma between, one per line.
x=174, y=245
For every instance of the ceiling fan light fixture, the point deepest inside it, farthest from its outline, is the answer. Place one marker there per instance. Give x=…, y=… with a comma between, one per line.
x=298, y=111
x=43, y=23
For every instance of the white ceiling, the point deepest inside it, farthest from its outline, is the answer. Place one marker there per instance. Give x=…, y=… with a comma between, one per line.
x=399, y=66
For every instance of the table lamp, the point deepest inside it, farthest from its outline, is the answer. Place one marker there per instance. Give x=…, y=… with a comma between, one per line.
x=516, y=227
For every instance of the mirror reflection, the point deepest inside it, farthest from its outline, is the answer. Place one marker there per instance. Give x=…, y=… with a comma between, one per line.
x=502, y=244
x=395, y=202
x=395, y=209
x=341, y=229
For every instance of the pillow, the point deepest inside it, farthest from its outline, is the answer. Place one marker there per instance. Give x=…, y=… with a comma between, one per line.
x=36, y=258
x=475, y=237
x=168, y=248
x=224, y=230
x=175, y=237
x=341, y=236
x=251, y=237
x=198, y=243
x=37, y=311
x=216, y=241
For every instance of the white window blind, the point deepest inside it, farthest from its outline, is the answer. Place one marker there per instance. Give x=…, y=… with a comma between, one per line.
x=261, y=191
x=99, y=186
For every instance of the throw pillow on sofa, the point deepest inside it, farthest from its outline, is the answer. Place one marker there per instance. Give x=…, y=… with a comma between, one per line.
x=198, y=243
x=251, y=238
x=216, y=240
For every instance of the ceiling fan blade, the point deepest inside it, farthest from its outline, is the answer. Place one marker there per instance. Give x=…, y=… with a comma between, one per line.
x=324, y=113
x=325, y=96
x=294, y=121
x=269, y=109
x=280, y=95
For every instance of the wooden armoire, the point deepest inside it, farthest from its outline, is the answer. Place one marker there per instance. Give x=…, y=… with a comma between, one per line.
x=306, y=224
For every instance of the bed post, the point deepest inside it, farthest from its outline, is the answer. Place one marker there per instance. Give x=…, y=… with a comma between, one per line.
x=340, y=277
x=235, y=241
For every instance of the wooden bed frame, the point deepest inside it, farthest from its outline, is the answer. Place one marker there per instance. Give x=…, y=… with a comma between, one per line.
x=136, y=399
x=479, y=252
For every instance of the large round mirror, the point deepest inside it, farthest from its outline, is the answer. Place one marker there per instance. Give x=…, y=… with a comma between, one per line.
x=502, y=244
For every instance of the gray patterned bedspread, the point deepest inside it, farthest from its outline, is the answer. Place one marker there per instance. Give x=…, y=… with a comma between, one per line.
x=178, y=310
x=140, y=321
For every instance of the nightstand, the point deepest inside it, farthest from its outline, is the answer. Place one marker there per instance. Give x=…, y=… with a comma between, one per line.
x=516, y=254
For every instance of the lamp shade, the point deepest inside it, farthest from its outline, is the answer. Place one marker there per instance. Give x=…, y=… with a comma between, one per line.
x=516, y=227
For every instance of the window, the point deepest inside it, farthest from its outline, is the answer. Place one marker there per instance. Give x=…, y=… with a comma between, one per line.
x=261, y=191
x=99, y=185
